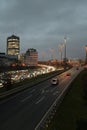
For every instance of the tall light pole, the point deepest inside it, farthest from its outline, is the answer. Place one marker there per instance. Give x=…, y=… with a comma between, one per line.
x=65, y=53
x=86, y=54
x=65, y=48
x=61, y=49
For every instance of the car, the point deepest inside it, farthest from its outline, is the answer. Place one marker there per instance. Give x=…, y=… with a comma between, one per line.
x=1, y=83
x=54, y=81
x=77, y=68
x=68, y=74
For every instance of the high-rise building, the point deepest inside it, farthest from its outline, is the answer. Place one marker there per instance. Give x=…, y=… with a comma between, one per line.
x=31, y=57
x=13, y=45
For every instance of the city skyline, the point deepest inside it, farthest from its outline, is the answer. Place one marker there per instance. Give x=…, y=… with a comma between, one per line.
x=43, y=24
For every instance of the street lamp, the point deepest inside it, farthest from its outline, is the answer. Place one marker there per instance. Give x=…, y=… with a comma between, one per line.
x=61, y=46
x=65, y=48
x=86, y=54
x=65, y=52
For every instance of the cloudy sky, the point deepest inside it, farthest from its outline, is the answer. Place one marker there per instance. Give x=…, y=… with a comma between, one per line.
x=43, y=24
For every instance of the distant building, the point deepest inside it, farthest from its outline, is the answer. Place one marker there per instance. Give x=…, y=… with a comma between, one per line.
x=13, y=46
x=2, y=54
x=3, y=59
x=31, y=57
x=22, y=55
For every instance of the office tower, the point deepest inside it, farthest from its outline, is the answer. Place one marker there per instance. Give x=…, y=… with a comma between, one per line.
x=13, y=45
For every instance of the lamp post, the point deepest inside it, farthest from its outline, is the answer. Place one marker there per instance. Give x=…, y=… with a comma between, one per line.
x=60, y=49
x=86, y=54
x=65, y=47
x=65, y=52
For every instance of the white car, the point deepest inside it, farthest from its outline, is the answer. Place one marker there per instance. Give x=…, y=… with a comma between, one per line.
x=54, y=81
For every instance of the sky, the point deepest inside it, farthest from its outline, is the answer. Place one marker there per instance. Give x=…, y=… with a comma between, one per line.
x=43, y=24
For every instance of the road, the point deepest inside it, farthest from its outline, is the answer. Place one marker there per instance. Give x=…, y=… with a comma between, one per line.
x=24, y=110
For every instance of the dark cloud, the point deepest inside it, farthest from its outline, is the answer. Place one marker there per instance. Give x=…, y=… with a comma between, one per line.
x=42, y=24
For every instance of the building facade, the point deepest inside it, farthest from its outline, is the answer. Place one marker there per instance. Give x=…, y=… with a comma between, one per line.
x=4, y=60
x=31, y=57
x=13, y=45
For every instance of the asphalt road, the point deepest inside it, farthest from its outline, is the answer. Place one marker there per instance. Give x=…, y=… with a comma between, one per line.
x=24, y=110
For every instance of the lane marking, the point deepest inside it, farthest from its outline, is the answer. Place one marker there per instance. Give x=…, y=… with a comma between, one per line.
x=23, y=100
x=55, y=92
x=40, y=100
x=43, y=91
x=32, y=90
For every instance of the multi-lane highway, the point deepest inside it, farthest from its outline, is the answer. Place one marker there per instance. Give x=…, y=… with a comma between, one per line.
x=25, y=110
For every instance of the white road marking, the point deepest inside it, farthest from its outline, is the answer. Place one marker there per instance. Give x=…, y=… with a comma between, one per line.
x=40, y=100
x=26, y=98
x=32, y=91
x=55, y=93
x=43, y=91
x=53, y=89
x=47, y=91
